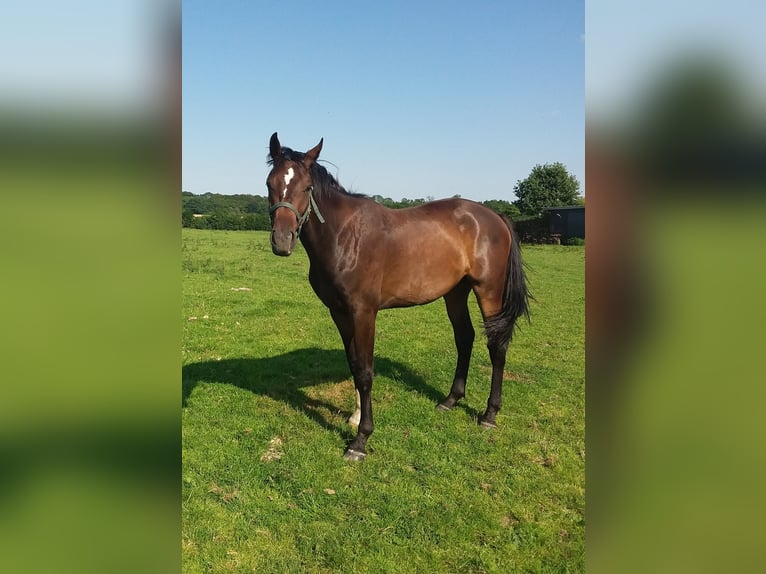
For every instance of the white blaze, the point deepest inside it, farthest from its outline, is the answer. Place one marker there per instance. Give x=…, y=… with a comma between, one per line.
x=288, y=178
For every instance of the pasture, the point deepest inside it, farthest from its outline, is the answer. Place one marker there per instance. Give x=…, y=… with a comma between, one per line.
x=266, y=395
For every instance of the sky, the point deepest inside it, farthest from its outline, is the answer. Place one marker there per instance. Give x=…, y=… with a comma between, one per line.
x=413, y=99
x=623, y=65
x=83, y=55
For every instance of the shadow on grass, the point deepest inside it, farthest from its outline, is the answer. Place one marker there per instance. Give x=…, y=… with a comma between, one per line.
x=284, y=378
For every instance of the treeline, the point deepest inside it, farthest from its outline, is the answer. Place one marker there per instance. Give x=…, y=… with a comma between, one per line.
x=251, y=212
x=217, y=211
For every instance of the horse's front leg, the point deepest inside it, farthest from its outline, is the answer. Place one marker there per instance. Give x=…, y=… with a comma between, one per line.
x=357, y=416
x=358, y=333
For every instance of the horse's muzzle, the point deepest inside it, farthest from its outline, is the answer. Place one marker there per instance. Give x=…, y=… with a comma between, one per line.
x=282, y=242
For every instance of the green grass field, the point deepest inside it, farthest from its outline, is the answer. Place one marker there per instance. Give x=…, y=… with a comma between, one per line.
x=266, y=394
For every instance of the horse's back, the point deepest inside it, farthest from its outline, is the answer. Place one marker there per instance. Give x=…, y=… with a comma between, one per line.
x=457, y=211
x=465, y=225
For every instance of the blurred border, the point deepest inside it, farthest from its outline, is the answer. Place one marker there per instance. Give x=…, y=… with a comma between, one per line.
x=675, y=182
x=90, y=178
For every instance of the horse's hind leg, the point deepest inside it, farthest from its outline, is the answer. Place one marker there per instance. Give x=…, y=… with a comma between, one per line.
x=457, y=310
x=497, y=353
x=490, y=302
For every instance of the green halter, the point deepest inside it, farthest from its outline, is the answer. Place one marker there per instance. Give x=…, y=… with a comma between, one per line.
x=301, y=218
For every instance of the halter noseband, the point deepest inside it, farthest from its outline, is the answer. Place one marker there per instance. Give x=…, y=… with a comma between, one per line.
x=301, y=218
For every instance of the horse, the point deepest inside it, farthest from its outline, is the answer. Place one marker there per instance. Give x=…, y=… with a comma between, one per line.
x=365, y=257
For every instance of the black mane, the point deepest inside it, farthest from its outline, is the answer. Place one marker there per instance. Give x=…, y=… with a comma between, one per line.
x=323, y=181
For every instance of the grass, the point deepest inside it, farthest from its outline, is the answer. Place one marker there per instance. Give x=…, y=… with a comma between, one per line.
x=265, y=399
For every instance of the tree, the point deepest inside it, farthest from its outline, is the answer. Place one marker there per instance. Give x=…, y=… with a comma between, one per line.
x=547, y=185
x=503, y=207
x=693, y=123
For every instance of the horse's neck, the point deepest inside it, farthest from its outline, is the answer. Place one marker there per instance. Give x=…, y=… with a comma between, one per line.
x=319, y=238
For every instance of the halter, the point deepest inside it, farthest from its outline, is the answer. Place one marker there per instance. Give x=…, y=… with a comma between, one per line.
x=301, y=218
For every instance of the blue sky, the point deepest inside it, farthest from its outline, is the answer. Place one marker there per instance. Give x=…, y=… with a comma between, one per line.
x=413, y=99
x=622, y=66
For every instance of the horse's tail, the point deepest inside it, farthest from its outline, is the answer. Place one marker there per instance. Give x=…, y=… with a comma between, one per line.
x=499, y=328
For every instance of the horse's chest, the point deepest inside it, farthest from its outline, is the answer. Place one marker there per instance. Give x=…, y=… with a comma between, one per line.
x=326, y=290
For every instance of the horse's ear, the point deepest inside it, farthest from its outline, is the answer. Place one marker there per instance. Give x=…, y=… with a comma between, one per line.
x=312, y=155
x=275, y=148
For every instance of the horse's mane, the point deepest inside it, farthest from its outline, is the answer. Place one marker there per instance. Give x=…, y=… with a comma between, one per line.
x=324, y=182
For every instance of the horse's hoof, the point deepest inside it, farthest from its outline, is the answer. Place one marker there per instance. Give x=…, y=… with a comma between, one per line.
x=354, y=455
x=487, y=424
x=444, y=408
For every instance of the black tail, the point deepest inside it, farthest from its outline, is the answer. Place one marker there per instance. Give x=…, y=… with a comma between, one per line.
x=499, y=329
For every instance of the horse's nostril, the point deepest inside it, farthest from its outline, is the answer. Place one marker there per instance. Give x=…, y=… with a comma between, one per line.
x=282, y=242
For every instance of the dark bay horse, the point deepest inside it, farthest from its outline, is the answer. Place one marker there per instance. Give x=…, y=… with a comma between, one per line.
x=365, y=257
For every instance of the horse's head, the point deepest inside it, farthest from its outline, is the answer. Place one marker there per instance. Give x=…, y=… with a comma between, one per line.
x=290, y=187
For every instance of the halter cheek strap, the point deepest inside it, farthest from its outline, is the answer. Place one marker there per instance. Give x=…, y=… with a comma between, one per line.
x=301, y=218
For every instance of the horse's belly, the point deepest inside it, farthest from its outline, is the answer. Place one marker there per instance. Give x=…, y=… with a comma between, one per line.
x=417, y=288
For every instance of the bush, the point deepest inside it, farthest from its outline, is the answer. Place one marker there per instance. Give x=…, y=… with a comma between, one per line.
x=575, y=241
x=532, y=229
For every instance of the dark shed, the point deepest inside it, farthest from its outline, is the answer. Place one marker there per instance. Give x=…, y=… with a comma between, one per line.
x=566, y=222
